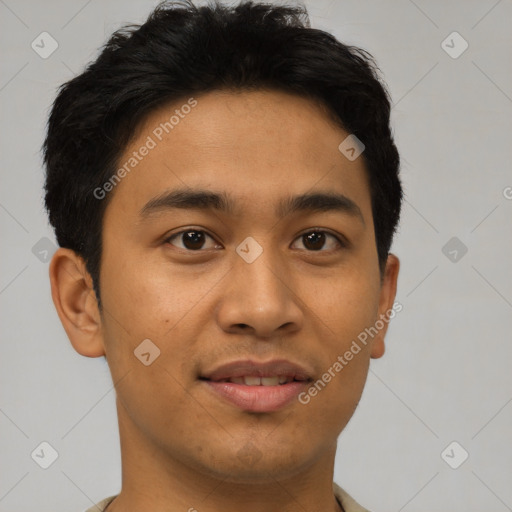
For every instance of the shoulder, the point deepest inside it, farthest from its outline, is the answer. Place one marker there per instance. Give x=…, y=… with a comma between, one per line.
x=102, y=505
x=349, y=504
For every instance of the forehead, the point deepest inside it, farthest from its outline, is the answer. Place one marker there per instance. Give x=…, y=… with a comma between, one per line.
x=256, y=146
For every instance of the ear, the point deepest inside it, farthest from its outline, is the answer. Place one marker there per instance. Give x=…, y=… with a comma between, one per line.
x=386, y=301
x=76, y=304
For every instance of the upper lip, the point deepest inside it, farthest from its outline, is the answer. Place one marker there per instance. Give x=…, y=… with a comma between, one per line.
x=250, y=368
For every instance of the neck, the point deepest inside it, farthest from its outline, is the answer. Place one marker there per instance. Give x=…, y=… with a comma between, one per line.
x=154, y=479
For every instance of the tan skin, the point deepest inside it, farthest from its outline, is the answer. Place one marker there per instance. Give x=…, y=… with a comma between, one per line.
x=180, y=443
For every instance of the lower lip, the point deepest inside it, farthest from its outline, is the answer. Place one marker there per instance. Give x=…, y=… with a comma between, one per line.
x=257, y=398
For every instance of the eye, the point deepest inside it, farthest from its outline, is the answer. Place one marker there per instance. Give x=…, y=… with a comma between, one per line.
x=192, y=240
x=315, y=240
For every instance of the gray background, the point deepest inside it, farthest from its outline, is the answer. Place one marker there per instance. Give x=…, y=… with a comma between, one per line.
x=446, y=373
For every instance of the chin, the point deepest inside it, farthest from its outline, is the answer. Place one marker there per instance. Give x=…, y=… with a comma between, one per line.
x=250, y=465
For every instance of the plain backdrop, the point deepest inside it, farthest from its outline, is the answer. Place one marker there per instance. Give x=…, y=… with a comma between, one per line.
x=446, y=374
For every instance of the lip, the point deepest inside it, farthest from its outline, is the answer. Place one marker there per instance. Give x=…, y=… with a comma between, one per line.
x=257, y=398
x=248, y=367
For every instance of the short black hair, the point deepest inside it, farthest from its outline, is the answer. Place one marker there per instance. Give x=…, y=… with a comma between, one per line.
x=182, y=50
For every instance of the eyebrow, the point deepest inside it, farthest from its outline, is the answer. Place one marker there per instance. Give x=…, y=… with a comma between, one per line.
x=200, y=199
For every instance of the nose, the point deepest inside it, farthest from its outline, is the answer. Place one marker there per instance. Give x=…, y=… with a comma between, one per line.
x=259, y=299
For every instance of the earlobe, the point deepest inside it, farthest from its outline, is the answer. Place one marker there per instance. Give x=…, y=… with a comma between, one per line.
x=386, y=302
x=378, y=347
x=75, y=302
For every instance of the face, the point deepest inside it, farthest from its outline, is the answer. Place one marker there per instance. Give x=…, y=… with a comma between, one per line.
x=235, y=282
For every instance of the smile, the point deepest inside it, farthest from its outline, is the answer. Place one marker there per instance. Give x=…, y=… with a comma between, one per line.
x=257, y=387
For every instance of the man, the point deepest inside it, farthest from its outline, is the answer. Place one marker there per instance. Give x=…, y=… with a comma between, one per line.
x=224, y=187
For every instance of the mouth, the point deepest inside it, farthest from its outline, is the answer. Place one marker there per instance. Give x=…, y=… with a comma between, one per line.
x=255, y=380
x=257, y=387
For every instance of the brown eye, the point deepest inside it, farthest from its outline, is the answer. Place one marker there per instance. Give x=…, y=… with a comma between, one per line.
x=191, y=239
x=315, y=240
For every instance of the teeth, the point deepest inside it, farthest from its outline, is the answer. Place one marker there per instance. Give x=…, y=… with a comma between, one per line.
x=260, y=381
x=252, y=381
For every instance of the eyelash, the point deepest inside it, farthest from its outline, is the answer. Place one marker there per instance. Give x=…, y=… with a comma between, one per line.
x=340, y=240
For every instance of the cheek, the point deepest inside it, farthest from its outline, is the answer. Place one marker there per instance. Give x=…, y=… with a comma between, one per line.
x=348, y=306
x=345, y=304
x=147, y=298
x=144, y=302
x=153, y=400
x=333, y=397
